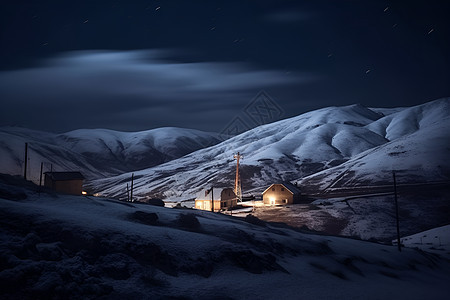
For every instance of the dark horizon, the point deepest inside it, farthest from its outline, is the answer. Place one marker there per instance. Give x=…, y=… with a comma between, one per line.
x=144, y=65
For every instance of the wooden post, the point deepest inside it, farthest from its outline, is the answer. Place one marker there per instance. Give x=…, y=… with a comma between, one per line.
x=212, y=199
x=396, y=213
x=40, y=178
x=128, y=194
x=26, y=161
x=132, y=179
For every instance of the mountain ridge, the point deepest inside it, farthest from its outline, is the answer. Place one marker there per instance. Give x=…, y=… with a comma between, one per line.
x=97, y=152
x=301, y=146
x=350, y=146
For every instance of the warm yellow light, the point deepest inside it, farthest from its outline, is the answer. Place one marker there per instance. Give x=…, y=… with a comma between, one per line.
x=83, y=193
x=272, y=200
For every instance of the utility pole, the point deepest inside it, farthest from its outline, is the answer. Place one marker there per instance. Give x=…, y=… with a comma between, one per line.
x=212, y=199
x=26, y=161
x=396, y=213
x=40, y=178
x=237, y=181
x=132, y=179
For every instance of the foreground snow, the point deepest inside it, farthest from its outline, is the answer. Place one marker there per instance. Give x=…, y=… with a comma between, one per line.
x=71, y=247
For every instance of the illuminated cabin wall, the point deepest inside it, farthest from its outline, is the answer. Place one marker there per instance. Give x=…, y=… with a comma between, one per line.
x=277, y=194
x=226, y=200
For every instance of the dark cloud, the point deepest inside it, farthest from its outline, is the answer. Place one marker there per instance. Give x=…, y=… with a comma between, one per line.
x=131, y=90
x=230, y=51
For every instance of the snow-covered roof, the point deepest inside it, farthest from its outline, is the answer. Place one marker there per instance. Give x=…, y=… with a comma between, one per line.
x=289, y=186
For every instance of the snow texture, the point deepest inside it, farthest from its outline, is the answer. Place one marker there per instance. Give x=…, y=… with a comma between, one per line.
x=323, y=150
x=55, y=246
x=96, y=152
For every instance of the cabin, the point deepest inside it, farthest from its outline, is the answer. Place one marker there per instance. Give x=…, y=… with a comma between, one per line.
x=222, y=198
x=281, y=194
x=64, y=182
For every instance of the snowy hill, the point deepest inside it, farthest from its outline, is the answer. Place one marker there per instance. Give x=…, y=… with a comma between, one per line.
x=436, y=240
x=418, y=148
x=336, y=146
x=97, y=152
x=72, y=247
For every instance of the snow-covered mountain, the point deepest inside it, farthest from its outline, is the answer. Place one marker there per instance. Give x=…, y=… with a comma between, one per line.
x=97, y=152
x=418, y=151
x=350, y=145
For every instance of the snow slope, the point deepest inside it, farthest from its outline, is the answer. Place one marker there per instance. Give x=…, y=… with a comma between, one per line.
x=418, y=148
x=436, y=240
x=336, y=146
x=97, y=152
x=81, y=247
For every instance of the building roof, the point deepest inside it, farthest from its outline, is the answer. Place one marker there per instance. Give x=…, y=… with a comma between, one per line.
x=289, y=186
x=293, y=188
x=203, y=195
x=63, y=176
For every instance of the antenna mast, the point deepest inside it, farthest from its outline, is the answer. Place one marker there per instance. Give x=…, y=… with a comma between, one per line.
x=237, y=182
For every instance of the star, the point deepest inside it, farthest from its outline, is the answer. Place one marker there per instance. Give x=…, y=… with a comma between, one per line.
x=432, y=29
x=368, y=71
x=386, y=9
x=158, y=8
x=85, y=21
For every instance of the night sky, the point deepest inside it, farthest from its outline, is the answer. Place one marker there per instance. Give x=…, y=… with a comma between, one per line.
x=137, y=65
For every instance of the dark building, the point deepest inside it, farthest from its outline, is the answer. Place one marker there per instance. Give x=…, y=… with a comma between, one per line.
x=64, y=182
x=281, y=194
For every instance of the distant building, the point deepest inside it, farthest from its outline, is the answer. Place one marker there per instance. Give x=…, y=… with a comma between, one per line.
x=64, y=182
x=223, y=199
x=281, y=194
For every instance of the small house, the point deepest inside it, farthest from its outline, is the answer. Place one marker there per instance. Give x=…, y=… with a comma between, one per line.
x=64, y=182
x=281, y=194
x=222, y=198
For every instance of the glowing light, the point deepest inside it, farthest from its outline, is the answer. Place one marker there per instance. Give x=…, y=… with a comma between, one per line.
x=83, y=193
x=272, y=200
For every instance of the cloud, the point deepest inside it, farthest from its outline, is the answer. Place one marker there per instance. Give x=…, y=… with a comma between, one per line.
x=88, y=88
